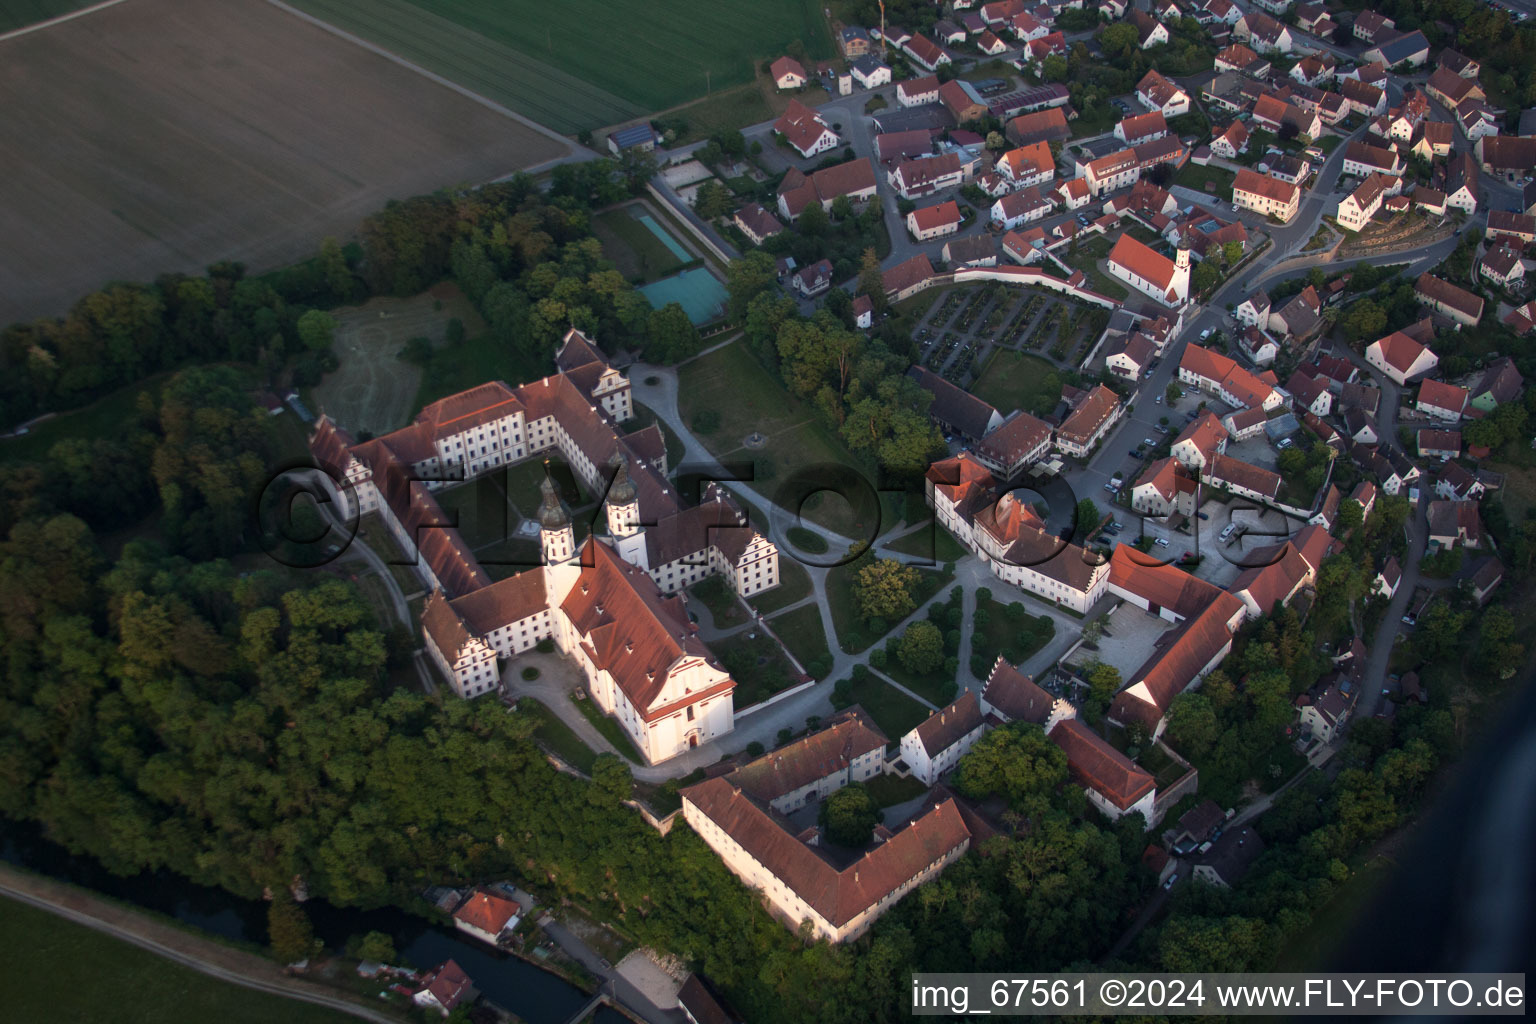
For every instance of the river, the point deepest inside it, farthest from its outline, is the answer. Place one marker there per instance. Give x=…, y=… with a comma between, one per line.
x=536, y=995
x=1462, y=895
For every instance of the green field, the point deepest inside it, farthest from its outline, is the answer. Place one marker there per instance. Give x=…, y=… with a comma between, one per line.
x=633, y=247
x=803, y=633
x=1012, y=380
x=794, y=585
x=587, y=63
x=81, y=974
x=893, y=711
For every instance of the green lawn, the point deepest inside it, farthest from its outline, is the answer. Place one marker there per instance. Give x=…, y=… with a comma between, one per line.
x=1192, y=175
x=723, y=110
x=1101, y=282
x=937, y=688
x=558, y=737
x=803, y=633
x=106, y=417
x=886, y=790
x=585, y=63
x=932, y=542
x=612, y=731
x=16, y=13
x=471, y=363
x=747, y=398
x=1012, y=380
x=715, y=594
x=757, y=663
x=893, y=711
x=850, y=633
x=1017, y=635
x=807, y=540
x=794, y=584
x=82, y=975
x=634, y=248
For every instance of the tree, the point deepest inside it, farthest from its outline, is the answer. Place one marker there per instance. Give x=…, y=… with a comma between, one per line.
x=288, y=930
x=871, y=280
x=1017, y=762
x=842, y=208
x=1086, y=516
x=1172, y=393
x=1192, y=723
x=1231, y=252
x=610, y=781
x=1205, y=276
x=1120, y=41
x=1365, y=319
x=712, y=200
x=850, y=816
x=670, y=336
x=316, y=329
x=813, y=222
x=376, y=946
x=1497, y=652
x=338, y=276
x=884, y=588
x=1103, y=682
x=1351, y=515
x=745, y=278
x=1054, y=68
x=921, y=649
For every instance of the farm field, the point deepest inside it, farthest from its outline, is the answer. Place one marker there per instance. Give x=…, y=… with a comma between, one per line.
x=16, y=13
x=590, y=63
x=158, y=136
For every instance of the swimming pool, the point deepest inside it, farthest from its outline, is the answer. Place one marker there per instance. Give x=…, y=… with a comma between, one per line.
x=666, y=238
x=700, y=293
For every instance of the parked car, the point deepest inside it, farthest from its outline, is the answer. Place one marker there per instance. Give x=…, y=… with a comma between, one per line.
x=1159, y=400
x=1149, y=442
x=1202, y=515
x=1228, y=530
x=1171, y=879
x=1205, y=334
x=1110, y=488
x=1161, y=542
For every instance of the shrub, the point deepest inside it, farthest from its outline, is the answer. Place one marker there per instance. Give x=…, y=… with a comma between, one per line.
x=784, y=737
x=530, y=673
x=545, y=646
x=754, y=749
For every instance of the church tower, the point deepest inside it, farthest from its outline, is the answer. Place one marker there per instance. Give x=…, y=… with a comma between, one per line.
x=1180, y=284
x=556, y=536
x=623, y=506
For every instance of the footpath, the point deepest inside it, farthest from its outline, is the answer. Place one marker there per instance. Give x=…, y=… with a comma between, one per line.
x=211, y=958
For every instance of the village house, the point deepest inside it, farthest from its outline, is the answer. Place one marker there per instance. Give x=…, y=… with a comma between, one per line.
x=1500, y=383
x=1449, y=300
x=1213, y=372
x=917, y=92
x=756, y=223
x=1355, y=210
x=1018, y=208
x=913, y=179
x=1158, y=93
x=1230, y=859
x=805, y=131
x=1409, y=48
x=854, y=179
x=1441, y=400
x=444, y=987
x=1011, y=696
x=487, y=915
x=869, y=71
x=1400, y=357
x=1509, y=157
x=787, y=73
x=1164, y=488
x=1265, y=34
x=907, y=278
x=971, y=251
x=1266, y=195
x=930, y=222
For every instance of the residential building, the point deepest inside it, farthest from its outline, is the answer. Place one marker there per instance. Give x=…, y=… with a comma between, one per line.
x=487, y=914
x=1231, y=142
x=1266, y=195
x=1441, y=400
x=955, y=409
x=913, y=179
x=1243, y=478
x=892, y=148
x=848, y=748
x=1216, y=373
x=939, y=741
x=1363, y=98
x=1265, y=34
x=1449, y=300
x=805, y=131
x=1461, y=184
x=854, y=179
x=756, y=223
x=1409, y=48
x=1517, y=229
x=1164, y=488
x=1355, y=210
x=1500, y=383
x=1093, y=412
x=854, y=41
x=925, y=52
x=1453, y=523
x=813, y=280
x=1022, y=166
x=1361, y=159
x=1156, y=92
x=1048, y=125
x=1019, y=442
x=1019, y=208
x=639, y=137
x=444, y=987
x=1400, y=357
x=1388, y=578
x=1503, y=267
x=1243, y=60
x=971, y=251
x=869, y=71
x=1254, y=310
x=1230, y=859
x=917, y=92
x=1150, y=32
x=787, y=73
x=1140, y=128
x=1309, y=394
x=1369, y=24
x=1130, y=355
x=1433, y=443
x=929, y=222
x=1509, y=157
x=1197, y=443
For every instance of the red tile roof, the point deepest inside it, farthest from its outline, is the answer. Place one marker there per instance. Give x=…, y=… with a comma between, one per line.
x=1206, y=433
x=1099, y=766
x=829, y=750
x=487, y=911
x=837, y=895
x=1454, y=296
x=1440, y=395
x=1254, y=183
x=904, y=275
x=1142, y=261
x=1016, y=695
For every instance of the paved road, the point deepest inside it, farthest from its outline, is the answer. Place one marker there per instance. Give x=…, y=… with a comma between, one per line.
x=183, y=948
